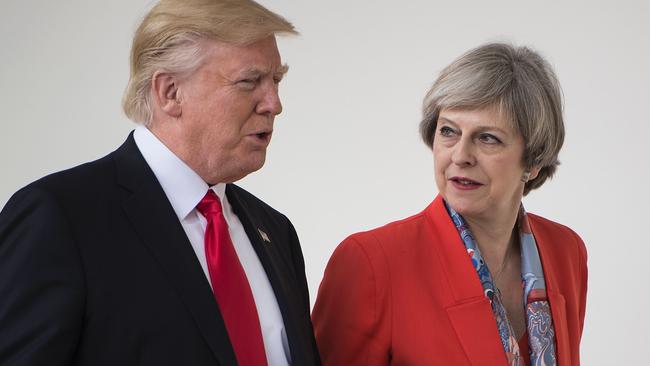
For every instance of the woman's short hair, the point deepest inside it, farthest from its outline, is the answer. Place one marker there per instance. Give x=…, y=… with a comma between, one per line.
x=169, y=39
x=519, y=82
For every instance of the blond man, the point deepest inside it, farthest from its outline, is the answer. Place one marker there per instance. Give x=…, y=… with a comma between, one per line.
x=151, y=255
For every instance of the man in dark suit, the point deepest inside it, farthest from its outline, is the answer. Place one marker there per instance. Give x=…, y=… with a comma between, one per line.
x=150, y=255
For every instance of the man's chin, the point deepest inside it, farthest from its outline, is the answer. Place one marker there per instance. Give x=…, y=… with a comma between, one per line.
x=257, y=163
x=244, y=169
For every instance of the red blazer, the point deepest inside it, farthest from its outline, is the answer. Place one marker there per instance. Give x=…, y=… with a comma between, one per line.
x=407, y=294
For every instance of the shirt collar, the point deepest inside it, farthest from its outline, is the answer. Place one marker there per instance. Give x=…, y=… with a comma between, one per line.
x=182, y=186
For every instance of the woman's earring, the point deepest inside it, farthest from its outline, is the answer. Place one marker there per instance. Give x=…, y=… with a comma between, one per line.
x=525, y=177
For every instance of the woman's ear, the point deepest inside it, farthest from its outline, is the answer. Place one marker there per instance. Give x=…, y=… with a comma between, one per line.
x=534, y=172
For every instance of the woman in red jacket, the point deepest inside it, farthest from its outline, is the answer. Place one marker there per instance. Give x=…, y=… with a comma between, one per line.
x=473, y=279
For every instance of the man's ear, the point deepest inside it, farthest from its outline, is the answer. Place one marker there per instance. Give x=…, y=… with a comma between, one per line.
x=165, y=93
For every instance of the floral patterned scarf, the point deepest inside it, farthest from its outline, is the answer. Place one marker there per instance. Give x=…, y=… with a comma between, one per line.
x=539, y=324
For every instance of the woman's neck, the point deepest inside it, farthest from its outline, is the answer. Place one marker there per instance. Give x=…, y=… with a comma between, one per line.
x=494, y=236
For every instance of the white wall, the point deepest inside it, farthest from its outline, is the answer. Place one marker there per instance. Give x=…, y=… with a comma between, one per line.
x=346, y=155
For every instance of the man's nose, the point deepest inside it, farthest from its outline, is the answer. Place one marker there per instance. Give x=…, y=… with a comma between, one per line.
x=270, y=101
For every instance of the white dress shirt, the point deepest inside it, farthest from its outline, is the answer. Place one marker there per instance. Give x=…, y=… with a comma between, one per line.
x=185, y=189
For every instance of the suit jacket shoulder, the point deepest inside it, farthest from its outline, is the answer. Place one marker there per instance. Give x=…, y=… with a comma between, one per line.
x=256, y=206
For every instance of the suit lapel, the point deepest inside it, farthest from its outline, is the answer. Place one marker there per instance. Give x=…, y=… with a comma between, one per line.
x=276, y=268
x=470, y=312
x=555, y=298
x=159, y=230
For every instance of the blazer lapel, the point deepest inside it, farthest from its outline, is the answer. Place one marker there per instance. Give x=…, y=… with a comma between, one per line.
x=470, y=312
x=276, y=268
x=555, y=299
x=160, y=231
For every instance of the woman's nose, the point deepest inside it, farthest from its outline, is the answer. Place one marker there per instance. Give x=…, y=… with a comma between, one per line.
x=463, y=154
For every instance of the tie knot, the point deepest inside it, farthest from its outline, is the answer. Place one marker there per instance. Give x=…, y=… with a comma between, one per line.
x=210, y=205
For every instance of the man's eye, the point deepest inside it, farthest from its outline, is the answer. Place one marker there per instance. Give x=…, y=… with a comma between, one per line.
x=446, y=131
x=488, y=138
x=247, y=83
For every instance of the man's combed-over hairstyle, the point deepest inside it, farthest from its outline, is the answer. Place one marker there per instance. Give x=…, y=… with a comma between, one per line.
x=517, y=81
x=169, y=40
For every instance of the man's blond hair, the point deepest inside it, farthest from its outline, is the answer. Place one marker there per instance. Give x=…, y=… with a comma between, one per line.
x=169, y=40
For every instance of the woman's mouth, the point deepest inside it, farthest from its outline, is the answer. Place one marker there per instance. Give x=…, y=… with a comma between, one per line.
x=465, y=183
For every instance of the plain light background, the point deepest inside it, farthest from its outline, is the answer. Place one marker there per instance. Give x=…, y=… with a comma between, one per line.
x=346, y=155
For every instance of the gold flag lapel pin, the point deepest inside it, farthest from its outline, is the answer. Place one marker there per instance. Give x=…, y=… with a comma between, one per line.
x=264, y=236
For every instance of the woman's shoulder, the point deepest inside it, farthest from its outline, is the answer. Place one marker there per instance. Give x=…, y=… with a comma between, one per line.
x=373, y=251
x=404, y=229
x=550, y=227
x=556, y=235
x=411, y=232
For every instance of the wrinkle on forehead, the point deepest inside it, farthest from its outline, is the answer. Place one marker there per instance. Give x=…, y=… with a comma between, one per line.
x=229, y=61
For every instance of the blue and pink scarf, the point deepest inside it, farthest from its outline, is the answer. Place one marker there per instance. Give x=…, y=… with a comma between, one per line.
x=539, y=323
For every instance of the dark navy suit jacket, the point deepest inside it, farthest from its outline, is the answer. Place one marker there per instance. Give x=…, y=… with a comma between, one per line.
x=95, y=269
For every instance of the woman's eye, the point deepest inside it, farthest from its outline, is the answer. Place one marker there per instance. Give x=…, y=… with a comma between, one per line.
x=489, y=139
x=446, y=131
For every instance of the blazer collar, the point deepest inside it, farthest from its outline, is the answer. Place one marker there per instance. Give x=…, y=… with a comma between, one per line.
x=472, y=311
x=556, y=300
x=159, y=229
x=183, y=187
x=276, y=266
x=455, y=261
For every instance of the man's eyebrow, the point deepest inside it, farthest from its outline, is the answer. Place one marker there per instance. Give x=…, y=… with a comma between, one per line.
x=283, y=69
x=254, y=71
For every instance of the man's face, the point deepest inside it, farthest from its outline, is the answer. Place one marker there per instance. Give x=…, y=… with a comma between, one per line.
x=227, y=109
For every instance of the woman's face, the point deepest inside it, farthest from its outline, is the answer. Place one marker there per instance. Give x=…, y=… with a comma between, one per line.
x=478, y=163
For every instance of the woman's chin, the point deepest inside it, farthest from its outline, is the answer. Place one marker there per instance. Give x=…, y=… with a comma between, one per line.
x=465, y=207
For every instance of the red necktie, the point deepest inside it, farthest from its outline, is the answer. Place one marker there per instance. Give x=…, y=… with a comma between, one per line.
x=230, y=286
